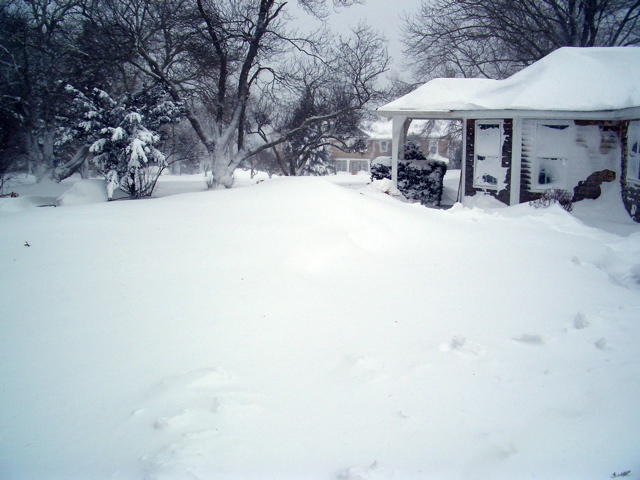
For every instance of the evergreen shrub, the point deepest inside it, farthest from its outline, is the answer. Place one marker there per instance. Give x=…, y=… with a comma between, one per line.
x=419, y=179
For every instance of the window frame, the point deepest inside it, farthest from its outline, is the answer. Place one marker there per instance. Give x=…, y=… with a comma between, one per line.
x=355, y=164
x=537, y=160
x=477, y=127
x=342, y=165
x=633, y=130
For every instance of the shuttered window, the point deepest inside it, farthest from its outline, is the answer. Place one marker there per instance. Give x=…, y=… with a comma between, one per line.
x=633, y=152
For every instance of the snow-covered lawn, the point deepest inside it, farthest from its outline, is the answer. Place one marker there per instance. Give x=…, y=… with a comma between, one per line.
x=298, y=329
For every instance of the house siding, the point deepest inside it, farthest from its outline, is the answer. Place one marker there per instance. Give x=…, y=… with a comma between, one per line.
x=345, y=161
x=597, y=148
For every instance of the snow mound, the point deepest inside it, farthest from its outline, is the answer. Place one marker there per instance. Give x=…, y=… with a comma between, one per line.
x=299, y=329
x=374, y=472
x=382, y=160
x=22, y=203
x=483, y=201
x=83, y=192
x=386, y=186
x=607, y=211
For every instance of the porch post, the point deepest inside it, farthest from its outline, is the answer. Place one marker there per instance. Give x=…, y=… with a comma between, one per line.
x=516, y=161
x=463, y=170
x=399, y=126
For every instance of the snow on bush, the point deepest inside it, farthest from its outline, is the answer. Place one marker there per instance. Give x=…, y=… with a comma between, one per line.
x=419, y=179
x=123, y=137
x=554, y=195
x=386, y=186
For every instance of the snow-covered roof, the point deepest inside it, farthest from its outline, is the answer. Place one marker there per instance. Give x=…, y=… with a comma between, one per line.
x=568, y=79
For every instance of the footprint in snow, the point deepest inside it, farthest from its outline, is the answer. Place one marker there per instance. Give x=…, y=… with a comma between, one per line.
x=224, y=408
x=530, y=339
x=185, y=420
x=374, y=472
x=196, y=399
x=601, y=343
x=581, y=321
x=208, y=378
x=461, y=345
x=363, y=368
x=192, y=411
x=189, y=457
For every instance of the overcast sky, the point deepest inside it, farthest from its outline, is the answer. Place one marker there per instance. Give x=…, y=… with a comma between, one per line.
x=383, y=15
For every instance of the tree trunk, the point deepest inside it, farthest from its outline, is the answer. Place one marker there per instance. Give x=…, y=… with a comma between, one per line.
x=77, y=163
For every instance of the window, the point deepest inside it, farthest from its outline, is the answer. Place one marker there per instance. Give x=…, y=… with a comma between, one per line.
x=553, y=142
x=488, y=154
x=341, y=166
x=633, y=152
x=358, y=166
x=384, y=145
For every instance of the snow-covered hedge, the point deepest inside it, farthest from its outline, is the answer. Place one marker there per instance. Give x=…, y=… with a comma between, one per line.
x=419, y=179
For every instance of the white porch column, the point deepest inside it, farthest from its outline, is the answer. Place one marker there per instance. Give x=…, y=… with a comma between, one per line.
x=516, y=161
x=399, y=126
x=463, y=165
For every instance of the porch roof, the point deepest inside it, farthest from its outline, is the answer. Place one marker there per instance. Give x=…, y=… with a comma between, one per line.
x=571, y=82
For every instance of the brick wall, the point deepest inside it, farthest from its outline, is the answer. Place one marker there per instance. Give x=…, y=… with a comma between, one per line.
x=590, y=188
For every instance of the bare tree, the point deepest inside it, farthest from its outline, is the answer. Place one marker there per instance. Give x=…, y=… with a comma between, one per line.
x=328, y=102
x=212, y=55
x=495, y=38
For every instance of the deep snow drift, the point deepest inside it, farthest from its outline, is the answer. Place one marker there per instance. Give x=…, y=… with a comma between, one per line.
x=298, y=329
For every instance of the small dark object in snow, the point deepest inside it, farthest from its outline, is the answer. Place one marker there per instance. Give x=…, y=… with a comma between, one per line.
x=622, y=474
x=26, y=244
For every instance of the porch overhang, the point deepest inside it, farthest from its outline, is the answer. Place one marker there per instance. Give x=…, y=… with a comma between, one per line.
x=401, y=119
x=415, y=114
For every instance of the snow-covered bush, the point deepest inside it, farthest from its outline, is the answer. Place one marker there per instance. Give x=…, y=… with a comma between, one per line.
x=123, y=137
x=381, y=168
x=419, y=179
x=554, y=195
x=319, y=164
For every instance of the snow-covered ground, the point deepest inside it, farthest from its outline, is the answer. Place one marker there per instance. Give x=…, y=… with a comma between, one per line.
x=298, y=329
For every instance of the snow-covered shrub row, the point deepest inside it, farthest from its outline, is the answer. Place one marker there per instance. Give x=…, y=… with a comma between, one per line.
x=419, y=179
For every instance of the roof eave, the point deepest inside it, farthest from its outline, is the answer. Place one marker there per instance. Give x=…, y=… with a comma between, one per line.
x=620, y=114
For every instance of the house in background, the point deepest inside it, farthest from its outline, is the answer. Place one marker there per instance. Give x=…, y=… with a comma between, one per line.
x=379, y=144
x=570, y=121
